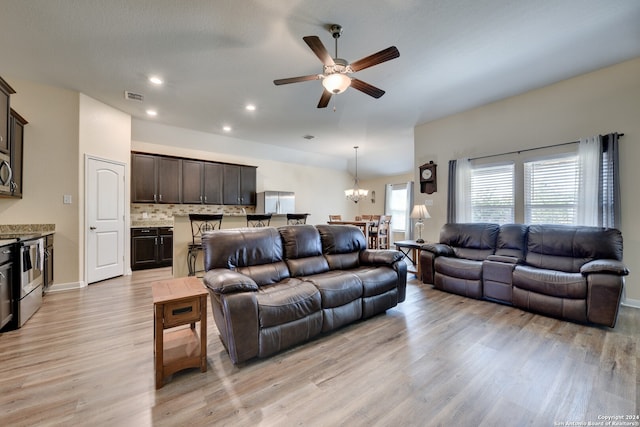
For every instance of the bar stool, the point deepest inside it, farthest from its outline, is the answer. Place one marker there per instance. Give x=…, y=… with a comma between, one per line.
x=200, y=223
x=296, y=219
x=258, y=220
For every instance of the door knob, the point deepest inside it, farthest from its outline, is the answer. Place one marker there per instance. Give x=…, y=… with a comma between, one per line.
x=92, y=228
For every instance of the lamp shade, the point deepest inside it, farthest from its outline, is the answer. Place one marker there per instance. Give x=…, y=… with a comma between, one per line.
x=336, y=83
x=420, y=212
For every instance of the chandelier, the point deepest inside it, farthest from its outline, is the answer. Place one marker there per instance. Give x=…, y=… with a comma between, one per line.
x=356, y=193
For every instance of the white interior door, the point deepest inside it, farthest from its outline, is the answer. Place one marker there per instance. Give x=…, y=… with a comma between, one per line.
x=105, y=209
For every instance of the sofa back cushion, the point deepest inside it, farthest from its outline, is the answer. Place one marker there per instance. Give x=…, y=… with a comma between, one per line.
x=341, y=245
x=567, y=248
x=470, y=241
x=512, y=240
x=303, y=250
x=256, y=252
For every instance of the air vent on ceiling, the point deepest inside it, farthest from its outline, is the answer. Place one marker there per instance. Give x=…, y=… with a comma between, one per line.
x=131, y=96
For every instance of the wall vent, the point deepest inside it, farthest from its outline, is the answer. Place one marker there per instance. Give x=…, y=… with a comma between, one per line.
x=131, y=96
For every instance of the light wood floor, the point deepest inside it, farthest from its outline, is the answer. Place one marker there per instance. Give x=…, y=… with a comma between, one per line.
x=86, y=359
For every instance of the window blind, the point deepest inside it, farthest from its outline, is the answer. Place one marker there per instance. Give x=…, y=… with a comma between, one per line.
x=551, y=190
x=492, y=198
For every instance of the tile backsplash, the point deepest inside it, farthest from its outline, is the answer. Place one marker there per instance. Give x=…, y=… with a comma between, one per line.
x=142, y=212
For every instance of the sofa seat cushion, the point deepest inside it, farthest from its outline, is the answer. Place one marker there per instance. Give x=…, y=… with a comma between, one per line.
x=289, y=300
x=376, y=280
x=550, y=282
x=336, y=287
x=460, y=268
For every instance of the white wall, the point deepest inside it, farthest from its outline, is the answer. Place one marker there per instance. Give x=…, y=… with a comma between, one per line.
x=105, y=133
x=50, y=170
x=600, y=102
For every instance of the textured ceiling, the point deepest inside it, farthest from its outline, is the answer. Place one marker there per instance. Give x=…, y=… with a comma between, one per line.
x=216, y=56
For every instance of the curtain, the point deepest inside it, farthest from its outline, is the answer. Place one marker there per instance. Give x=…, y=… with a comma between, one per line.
x=589, y=173
x=451, y=192
x=458, y=204
x=463, y=190
x=599, y=194
x=610, y=181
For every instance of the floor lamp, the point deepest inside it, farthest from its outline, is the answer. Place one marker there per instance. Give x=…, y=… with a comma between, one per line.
x=420, y=212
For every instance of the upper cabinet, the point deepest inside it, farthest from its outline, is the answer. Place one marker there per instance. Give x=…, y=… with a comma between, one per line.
x=155, y=179
x=11, y=145
x=201, y=182
x=239, y=185
x=5, y=93
x=16, y=137
x=162, y=179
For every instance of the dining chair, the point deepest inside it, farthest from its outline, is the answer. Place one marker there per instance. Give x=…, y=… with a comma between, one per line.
x=335, y=217
x=379, y=238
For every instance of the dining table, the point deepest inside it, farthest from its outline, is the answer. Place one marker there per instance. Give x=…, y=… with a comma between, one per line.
x=364, y=225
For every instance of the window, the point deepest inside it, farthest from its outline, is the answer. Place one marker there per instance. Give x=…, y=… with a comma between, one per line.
x=492, y=198
x=551, y=190
x=398, y=202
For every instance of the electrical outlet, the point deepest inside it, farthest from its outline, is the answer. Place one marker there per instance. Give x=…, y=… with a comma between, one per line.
x=428, y=202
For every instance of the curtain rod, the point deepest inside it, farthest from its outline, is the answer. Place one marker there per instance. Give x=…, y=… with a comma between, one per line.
x=528, y=149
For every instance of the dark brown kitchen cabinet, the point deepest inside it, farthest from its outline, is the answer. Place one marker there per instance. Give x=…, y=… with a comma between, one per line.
x=6, y=287
x=16, y=138
x=48, y=262
x=5, y=93
x=239, y=185
x=151, y=247
x=155, y=179
x=201, y=182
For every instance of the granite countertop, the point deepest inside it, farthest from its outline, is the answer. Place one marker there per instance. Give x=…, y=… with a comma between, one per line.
x=152, y=223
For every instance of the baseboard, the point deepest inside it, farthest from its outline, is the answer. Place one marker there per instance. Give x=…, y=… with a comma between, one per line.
x=60, y=287
x=635, y=303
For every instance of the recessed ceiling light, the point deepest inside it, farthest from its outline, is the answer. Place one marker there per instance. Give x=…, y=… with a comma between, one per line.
x=152, y=113
x=155, y=80
x=250, y=107
x=226, y=128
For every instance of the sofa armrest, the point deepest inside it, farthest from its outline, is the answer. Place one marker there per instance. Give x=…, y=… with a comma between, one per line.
x=504, y=258
x=611, y=266
x=223, y=281
x=380, y=257
x=438, y=249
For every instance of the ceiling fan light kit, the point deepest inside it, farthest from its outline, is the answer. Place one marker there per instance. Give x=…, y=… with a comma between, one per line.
x=335, y=72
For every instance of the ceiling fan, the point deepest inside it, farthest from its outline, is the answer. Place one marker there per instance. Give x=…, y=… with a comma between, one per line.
x=335, y=75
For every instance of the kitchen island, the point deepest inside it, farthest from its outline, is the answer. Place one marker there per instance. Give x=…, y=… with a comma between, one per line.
x=182, y=238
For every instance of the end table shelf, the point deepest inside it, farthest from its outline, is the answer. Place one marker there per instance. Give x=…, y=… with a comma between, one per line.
x=178, y=304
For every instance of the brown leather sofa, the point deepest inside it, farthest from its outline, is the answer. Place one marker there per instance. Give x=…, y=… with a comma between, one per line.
x=569, y=272
x=273, y=288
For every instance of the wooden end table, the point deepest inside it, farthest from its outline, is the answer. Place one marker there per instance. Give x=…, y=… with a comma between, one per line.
x=411, y=250
x=179, y=302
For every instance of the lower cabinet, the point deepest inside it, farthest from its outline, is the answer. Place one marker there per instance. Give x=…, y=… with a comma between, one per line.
x=6, y=277
x=48, y=262
x=151, y=247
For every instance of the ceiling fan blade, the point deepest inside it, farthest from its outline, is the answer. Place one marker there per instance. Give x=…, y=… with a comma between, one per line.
x=324, y=99
x=366, y=88
x=318, y=48
x=296, y=79
x=375, y=59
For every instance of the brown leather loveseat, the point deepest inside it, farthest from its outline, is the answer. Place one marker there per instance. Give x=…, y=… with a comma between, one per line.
x=273, y=288
x=568, y=272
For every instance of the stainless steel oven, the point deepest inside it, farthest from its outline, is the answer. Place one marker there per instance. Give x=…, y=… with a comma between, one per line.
x=31, y=278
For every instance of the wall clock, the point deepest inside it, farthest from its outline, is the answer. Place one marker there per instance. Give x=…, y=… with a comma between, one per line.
x=428, y=178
